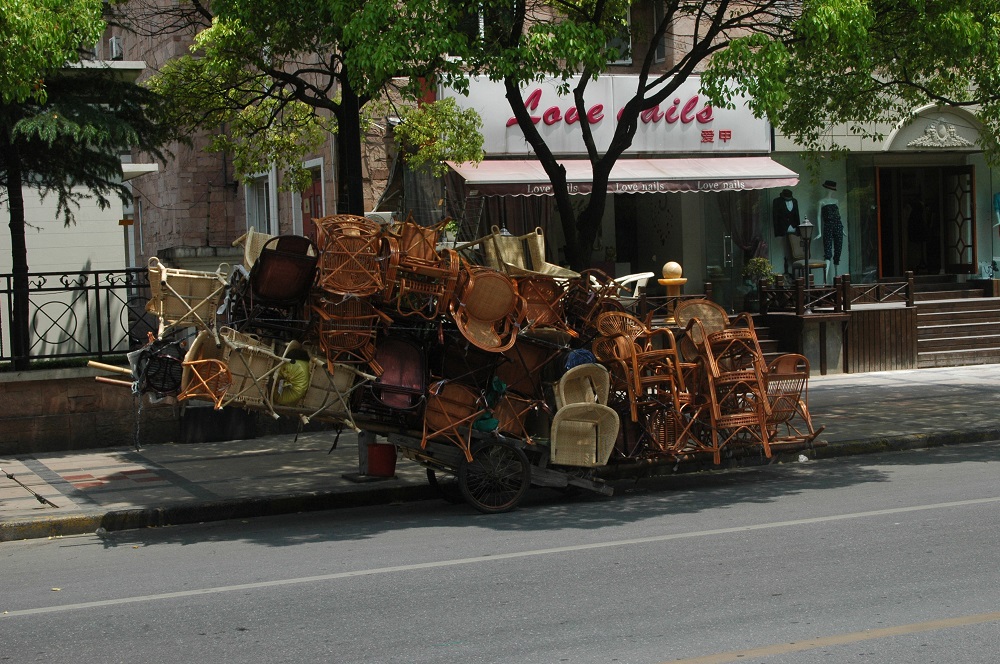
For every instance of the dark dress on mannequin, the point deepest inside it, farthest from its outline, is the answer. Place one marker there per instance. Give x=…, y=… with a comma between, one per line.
x=833, y=232
x=782, y=217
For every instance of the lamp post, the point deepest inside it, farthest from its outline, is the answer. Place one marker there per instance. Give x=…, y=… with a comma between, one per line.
x=806, y=230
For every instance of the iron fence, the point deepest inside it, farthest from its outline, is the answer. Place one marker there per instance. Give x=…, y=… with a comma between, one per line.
x=94, y=313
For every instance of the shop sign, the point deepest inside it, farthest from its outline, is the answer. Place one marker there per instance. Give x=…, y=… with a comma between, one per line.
x=684, y=123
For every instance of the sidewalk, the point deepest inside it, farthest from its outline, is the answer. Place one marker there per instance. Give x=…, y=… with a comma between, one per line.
x=123, y=488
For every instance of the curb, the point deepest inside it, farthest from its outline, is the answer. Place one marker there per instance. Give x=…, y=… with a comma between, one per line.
x=242, y=508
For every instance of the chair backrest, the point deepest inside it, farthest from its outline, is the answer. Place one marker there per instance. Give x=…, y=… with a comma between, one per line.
x=584, y=383
x=419, y=243
x=795, y=249
x=712, y=316
x=350, y=257
x=285, y=269
x=502, y=249
x=636, y=282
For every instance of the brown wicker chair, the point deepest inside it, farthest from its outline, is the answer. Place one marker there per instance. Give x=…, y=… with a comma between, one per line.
x=788, y=395
x=487, y=309
x=346, y=330
x=351, y=255
x=544, y=314
x=452, y=408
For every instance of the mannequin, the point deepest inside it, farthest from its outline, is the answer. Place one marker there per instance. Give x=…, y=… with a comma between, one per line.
x=785, y=213
x=831, y=228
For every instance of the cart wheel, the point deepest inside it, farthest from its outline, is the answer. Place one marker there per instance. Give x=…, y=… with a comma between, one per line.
x=496, y=479
x=446, y=486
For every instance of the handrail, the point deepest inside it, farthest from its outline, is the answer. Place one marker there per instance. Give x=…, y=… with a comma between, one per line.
x=837, y=297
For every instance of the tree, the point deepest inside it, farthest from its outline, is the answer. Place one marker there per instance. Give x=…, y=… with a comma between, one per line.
x=805, y=65
x=63, y=125
x=278, y=76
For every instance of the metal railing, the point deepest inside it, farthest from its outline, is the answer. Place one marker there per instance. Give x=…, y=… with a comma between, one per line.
x=94, y=313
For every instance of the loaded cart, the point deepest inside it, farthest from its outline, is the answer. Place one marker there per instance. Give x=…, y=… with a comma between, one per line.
x=489, y=366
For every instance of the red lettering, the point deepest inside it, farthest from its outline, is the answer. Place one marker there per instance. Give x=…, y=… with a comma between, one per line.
x=705, y=115
x=651, y=115
x=572, y=116
x=531, y=103
x=595, y=114
x=551, y=115
x=689, y=107
x=671, y=114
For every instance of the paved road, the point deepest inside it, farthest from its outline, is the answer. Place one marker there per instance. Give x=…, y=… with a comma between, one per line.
x=876, y=558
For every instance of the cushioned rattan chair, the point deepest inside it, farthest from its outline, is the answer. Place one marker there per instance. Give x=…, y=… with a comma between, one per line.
x=270, y=299
x=304, y=387
x=583, y=432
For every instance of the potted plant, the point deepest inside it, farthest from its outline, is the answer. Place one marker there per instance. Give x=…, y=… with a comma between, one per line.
x=756, y=270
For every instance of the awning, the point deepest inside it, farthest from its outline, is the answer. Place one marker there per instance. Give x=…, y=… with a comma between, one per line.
x=628, y=176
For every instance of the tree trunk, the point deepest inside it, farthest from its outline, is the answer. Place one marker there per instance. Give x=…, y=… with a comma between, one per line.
x=20, y=340
x=351, y=183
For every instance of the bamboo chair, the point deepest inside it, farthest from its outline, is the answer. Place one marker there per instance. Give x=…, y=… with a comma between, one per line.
x=583, y=432
x=185, y=298
x=346, y=329
x=350, y=255
x=487, y=309
x=529, y=364
x=521, y=255
x=425, y=289
x=303, y=387
x=787, y=393
x=544, y=314
x=587, y=297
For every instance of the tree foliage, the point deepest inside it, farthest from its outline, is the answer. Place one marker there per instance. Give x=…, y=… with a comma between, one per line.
x=277, y=76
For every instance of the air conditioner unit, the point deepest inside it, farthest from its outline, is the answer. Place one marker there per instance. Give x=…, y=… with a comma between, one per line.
x=115, y=50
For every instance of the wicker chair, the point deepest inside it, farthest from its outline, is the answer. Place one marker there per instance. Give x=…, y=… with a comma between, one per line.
x=583, y=432
x=788, y=396
x=346, y=330
x=253, y=365
x=452, y=409
x=269, y=299
x=401, y=388
x=351, y=255
x=185, y=298
x=487, y=309
x=520, y=255
x=544, y=314
x=252, y=242
x=204, y=373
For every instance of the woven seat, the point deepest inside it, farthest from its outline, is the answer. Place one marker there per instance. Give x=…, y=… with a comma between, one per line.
x=543, y=305
x=487, y=309
x=252, y=364
x=185, y=298
x=587, y=297
x=452, y=408
x=350, y=255
x=402, y=386
x=425, y=288
x=252, y=242
x=204, y=374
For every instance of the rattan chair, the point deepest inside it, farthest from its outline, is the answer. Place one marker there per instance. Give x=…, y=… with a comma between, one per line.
x=346, y=329
x=185, y=298
x=252, y=242
x=544, y=314
x=583, y=432
x=452, y=410
x=402, y=386
x=350, y=255
x=269, y=300
x=204, y=372
x=520, y=255
x=788, y=395
x=487, y=309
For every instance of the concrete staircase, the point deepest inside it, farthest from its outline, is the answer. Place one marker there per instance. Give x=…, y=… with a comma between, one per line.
x=956, y=324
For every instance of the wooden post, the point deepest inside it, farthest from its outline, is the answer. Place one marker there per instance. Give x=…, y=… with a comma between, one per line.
x=845, y=284
x=911, y=296
x=800, y=296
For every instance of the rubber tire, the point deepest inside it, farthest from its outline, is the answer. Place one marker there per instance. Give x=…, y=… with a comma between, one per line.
x=446, y=486
x=497, y=478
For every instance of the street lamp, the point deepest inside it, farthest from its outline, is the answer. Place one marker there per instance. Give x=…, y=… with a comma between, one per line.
x=806, y=230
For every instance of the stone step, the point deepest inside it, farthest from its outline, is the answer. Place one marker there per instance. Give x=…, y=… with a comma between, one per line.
x=958, y=358
x=989, y=342
x=962, y=329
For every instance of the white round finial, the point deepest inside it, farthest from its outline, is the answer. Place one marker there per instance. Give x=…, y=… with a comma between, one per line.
x=672, y=270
